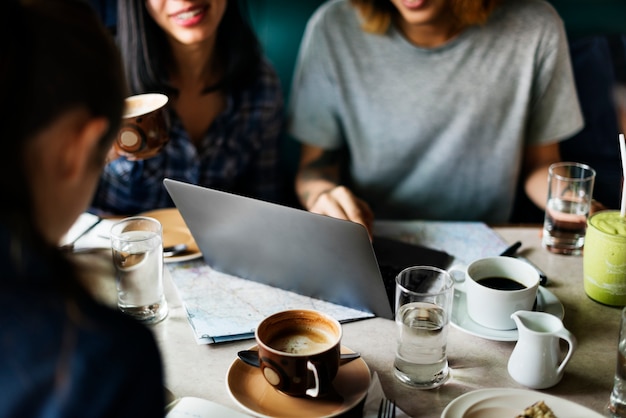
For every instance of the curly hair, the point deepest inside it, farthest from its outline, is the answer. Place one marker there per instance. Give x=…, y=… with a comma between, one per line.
x=377, y=14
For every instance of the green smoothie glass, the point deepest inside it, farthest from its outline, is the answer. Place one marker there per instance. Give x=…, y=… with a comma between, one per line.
x=604, y=259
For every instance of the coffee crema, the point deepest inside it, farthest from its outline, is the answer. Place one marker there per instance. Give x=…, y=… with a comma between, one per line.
x=500, y=283
x=302, y=341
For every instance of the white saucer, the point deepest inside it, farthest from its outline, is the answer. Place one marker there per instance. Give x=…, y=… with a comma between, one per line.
x=498, y=403
x=249, y=389
x=546, y=302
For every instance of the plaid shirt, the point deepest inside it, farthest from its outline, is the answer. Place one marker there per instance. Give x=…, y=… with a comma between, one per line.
x=238, y=154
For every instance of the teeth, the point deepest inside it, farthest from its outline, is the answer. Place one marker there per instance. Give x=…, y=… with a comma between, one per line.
x=188, y=15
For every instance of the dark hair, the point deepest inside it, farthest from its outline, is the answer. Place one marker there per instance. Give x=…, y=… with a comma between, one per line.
x=56, y=57
x=146, y=52
x=377, y=14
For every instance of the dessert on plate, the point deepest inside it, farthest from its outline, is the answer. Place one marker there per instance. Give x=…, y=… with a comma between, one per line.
x=537, y=410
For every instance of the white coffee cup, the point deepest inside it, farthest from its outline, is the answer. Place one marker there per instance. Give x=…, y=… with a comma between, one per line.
x=496, y=287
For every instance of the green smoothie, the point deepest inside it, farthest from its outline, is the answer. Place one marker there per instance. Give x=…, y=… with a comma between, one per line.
x=604, y=259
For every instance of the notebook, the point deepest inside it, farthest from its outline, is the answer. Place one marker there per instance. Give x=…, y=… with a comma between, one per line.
x=292, y=249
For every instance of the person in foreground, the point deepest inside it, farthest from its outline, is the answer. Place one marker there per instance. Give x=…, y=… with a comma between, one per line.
x=62, y=354
x=430, y=109
x=225, y=104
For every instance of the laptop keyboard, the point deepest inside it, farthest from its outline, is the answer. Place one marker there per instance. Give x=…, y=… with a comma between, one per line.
x=394, y=255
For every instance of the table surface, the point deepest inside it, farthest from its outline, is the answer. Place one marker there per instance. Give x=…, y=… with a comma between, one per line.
x=476, y=363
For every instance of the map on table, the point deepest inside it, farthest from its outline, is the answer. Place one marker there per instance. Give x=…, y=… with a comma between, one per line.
x=221, y=307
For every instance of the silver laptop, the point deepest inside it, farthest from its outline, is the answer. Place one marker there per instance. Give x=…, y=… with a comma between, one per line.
x=292, y=249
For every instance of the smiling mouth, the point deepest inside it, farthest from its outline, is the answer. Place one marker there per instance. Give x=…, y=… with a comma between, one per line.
x=190, y=14
x=413, y=3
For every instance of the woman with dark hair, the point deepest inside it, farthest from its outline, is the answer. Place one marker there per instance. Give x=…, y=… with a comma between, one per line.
x=62, y=353
x=430, y=109
x=225, y=108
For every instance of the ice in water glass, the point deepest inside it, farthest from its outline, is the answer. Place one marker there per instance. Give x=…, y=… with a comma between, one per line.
x=137, y=248
x=423, y=305
x=570, y=189
x=617, y=401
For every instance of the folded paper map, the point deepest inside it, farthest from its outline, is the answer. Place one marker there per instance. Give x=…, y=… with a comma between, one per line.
x=221, y=307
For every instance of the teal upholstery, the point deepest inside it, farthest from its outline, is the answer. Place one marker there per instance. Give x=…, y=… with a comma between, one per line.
x=584, y=18
x=279, y=25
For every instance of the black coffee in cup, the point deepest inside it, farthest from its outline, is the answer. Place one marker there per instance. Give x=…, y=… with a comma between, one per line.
x=497, y=287
x=500, y=283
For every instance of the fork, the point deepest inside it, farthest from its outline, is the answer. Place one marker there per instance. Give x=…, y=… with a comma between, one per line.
x=387, y=408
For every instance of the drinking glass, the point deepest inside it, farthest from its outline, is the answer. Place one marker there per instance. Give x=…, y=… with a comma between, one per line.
x=137, y=248
x=604, y=268
x=570, y=188
x=617, y=401
x=423, y=307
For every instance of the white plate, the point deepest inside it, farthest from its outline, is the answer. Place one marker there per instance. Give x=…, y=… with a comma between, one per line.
x=190, y=406
x=499, y=403
x=182, y=257
x=546, y=302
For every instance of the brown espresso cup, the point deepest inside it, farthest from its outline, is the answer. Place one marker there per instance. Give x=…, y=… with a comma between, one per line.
x=299, y=351
x=144, y=129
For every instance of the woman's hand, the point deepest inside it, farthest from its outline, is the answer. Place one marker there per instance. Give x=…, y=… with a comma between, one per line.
x=340, y=202
x=317, y=186
x=112, y=155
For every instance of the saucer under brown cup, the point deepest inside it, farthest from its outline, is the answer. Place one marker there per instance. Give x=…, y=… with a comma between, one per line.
x=144, y=129
x=299, y=351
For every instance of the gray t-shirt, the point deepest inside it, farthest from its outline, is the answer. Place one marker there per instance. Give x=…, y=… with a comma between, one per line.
x=435, y=133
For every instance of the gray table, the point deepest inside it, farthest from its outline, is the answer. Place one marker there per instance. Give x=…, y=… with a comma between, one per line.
x=200, y=370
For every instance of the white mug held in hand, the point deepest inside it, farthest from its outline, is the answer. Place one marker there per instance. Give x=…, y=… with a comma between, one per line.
x=497, y=287
x=536, y=359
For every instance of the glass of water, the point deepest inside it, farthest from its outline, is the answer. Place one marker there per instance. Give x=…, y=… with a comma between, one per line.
x=423, y=305
x=137, y=249
x=570, y=189
x=617, y=402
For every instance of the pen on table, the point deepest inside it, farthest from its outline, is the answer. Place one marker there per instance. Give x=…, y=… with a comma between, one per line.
x=510, y=252
x=70, y=245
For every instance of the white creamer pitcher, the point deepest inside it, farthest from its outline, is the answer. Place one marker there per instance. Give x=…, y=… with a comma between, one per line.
x=536, y=359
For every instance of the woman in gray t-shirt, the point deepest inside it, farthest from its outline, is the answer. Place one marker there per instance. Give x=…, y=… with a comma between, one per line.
x=427, y=112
